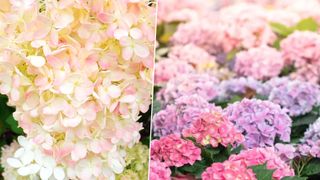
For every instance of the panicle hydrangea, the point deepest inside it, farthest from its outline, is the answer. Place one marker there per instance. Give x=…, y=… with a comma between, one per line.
x=260, y=63
x=296, y=96
x=9, y=172
x=228, y=170
x=302, y=49
x=268, y=156
x=174, y=151
x=176, y=117
x=167, y=69
x=79, y=74
x=245, y=86
x=310, y=143
x=260, y=121
x=194, y=55
x=214, y=129
x=203, y=85
x=159, y=171
x=136, y=159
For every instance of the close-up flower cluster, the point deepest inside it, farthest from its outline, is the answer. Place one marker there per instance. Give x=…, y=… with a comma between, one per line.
x=79, y=74
x=239, y=80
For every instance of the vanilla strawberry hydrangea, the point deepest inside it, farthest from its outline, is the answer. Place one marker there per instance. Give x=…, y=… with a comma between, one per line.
x=79, y=74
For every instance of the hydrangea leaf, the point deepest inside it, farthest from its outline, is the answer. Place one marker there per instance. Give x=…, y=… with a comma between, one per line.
x=262, y=173
x=308, y=24
x=13, y=124
x=312, y=168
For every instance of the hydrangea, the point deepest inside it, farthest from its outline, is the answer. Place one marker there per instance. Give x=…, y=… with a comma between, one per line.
x=286, y=152
x=78, y=77
x=214, y=129
x=174, y=151
x=194, y=55
x=261, y=122
x=176, y=117
x=260, y=63
x=203, y=85
x=8, y=151
x=296, y=96
x=167, y=69
x=310, y=143
x=302, y=50
x=228, y=170
x=136, y=159
x=159, y=171
x=268, y=156
x=244, y=86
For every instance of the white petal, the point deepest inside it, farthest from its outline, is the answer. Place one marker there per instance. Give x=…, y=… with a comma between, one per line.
x=141, y=51
x=19, y=152
x=135, y=33
x=37, y=61
x=23, y=141
x=128, y=99
x=59, y=173
x=24, y=171
x=71, y=122
x=67, y=88
x=114, y=91
x=49, y=162
x=127, y=53
x=34, y=168
x=27, y=157
x=45, y=173
x=116, y=166
x=119, y=33
x=13, y=162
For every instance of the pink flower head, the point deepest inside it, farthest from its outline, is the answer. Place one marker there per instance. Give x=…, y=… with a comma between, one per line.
x=214, y=128
x=268, y=156
x=228, y=170
x=174, y=151
x=159, y=171
x=260, y=63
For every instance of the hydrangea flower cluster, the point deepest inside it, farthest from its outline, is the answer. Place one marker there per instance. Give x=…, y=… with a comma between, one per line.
x=228, y=170
x=159, y=171
x=260, y=63
x=296, y=96
x=286, y=152
x=174, y=151
x=310, y=143
x=260, y=121
x=214, y=129
x=176, y=117
x=79, y=74
x=268, y=156
x=302, y=50
x=203, y=85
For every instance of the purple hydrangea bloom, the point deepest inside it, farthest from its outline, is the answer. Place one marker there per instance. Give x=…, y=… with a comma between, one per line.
x=286, y=152
x=178, y=116
x=240, y=86
x=187, y=84
x=310, y=143
x=260, y=121
x=295, y=96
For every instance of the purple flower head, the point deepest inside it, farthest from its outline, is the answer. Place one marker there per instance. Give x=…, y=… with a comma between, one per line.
x=310, y=143
x=260, y=121
x=286, y=152
x=176, y=117
x=297, y=97
x=203, y=85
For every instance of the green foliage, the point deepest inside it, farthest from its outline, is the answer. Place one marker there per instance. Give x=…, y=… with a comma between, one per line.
x=294, y=178
x=262, y=173
x=156, y=107
x=311, y=168
x=165, y=31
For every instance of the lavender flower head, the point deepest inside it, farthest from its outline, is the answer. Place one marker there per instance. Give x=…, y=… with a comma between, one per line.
x=187, y=84
x=260, y=121
x=245, y=86
x=296, y=96
x=176, y=117
x=310, y=143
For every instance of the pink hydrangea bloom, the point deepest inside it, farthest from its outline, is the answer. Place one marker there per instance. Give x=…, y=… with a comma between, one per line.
x=260, y=63
x=214, y=129
x=268, y=156
x=310, y=143
x=228, y=170
x=167, y=69
x=174, y=151
x=203, y=85
x=159, y=171
x=194, y=55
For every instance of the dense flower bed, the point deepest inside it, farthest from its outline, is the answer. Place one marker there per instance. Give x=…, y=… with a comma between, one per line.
x=237, y=91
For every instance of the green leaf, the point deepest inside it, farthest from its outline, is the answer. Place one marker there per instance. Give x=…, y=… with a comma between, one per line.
x=13, y=124
x=308, y=24
x=156, y=107
x=304, y=120
x=232, y=54
x=312, y=168
x=294, y=178
x=237, y=150
x=280, y=29
x=196, y=169
x=262, y=173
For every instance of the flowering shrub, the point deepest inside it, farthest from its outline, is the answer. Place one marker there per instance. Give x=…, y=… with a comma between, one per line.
x=78, y=74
